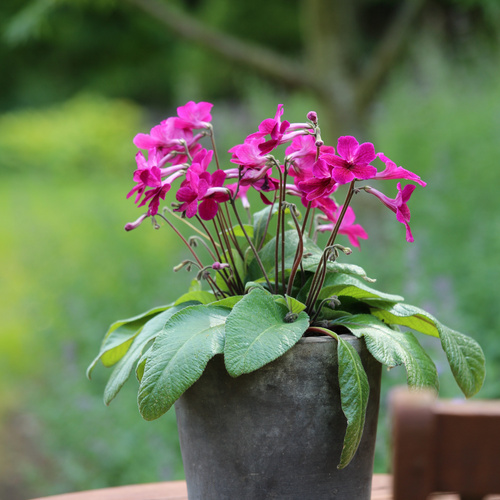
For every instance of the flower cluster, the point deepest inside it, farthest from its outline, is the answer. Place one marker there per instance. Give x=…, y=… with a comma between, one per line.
x=311, y=170
x=271, y=267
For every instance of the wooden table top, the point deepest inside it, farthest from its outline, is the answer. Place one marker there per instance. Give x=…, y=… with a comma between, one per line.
x=176, y=490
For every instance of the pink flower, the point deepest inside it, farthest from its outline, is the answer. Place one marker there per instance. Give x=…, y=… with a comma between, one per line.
x=154, y=196
x=301, y=154
x=170, y=141
x=392, y=171
x=202, y=192
x=321, y=184
x=194, y=115
x=273, y=127
x=248, y=154
x=347, y=227
x=398, y=205
x=352, y=161
x=148, y=174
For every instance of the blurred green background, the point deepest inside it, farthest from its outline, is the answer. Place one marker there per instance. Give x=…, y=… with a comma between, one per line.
x=81, y=78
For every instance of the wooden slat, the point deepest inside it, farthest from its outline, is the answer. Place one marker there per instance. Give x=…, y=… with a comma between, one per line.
x=176, y=490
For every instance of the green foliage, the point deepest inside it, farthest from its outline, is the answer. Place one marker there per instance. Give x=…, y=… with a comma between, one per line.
x=257, y=332
x=87, y=135
x=354, y=393
x=179, y=355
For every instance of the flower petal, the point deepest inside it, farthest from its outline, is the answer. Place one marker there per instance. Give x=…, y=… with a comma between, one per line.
x=365, y=153
x=208, y=209
x=347, y=146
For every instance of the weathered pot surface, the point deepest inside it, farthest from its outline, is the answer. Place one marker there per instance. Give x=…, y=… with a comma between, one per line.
x=276, y=433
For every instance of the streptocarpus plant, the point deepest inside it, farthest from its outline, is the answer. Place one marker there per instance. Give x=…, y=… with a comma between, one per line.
x=272, y=264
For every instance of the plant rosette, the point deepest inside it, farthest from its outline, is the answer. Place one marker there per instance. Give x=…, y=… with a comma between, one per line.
x=271, y=267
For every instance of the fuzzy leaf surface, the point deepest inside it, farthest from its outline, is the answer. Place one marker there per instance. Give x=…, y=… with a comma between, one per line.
x=124, y=367
x=393, y=348
x=354, y=392
x=179, y=355
x=257, y=333
x=120, y=336
x=464, y=354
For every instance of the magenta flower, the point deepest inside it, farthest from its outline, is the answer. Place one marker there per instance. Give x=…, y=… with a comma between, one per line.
x=169, y=141
x=147, y=174
x=153, y=196
x=392, y=171
x=301, y=154
x=398, y=205
x=273, y=127
x=248, y=154
x=352, y=161
x=321, y=183
x=347, y=226
x=194, y=115
x=201, y=192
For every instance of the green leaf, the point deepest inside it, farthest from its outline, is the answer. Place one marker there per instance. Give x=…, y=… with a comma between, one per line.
x=229, y=302
x=201, y=296
x=267, y=254
x=260, y=221
x=179, y=355
x=406, y=315
x=466, y=360
x=293, y=305
x=464, y=354
x=354, y=392
x=257, y=333
x=124, y=367
x=120, y=335
x=350, y=286
x=393, y=348
x=195, y=286
x=237, y=231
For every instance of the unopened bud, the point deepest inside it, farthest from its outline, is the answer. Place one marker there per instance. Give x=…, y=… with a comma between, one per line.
x=218, y=266
x=333, y=302
x=312, y=116
x=132, y=225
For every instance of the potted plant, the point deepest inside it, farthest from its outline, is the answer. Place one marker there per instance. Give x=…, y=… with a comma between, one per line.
x=273, y=355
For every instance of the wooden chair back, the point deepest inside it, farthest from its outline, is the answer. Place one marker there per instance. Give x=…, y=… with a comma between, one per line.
x=444, y=446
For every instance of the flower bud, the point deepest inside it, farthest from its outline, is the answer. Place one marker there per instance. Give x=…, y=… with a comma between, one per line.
x=218, y=266
x=312, y=116
x=132, y=225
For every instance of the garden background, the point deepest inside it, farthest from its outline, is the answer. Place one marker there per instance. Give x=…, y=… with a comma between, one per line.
x=420, y=79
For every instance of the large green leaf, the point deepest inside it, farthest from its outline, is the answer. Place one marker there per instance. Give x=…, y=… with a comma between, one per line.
x=120, y=336
x=464, y=354
x=258, y=333
x=201, y=296
x=466, y=360
x=350, y=286
x=393, y=348
x=179, y=355
x=123, y=368
x=354, y=392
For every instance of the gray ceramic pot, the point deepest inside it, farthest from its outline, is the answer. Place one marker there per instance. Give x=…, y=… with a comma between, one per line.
x=276, y=433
